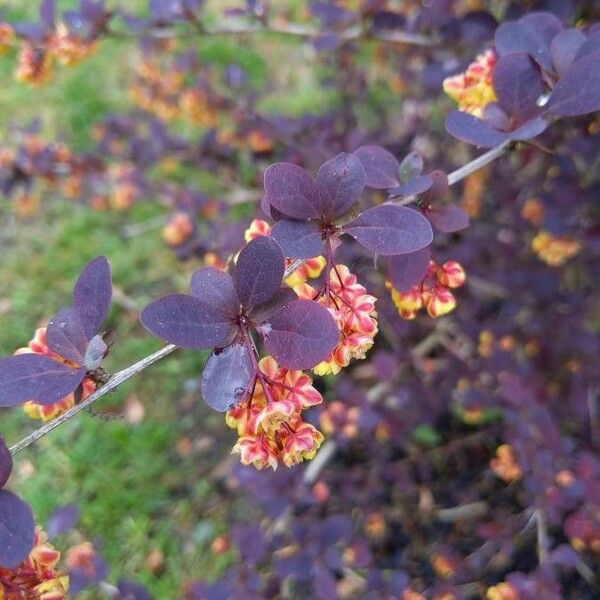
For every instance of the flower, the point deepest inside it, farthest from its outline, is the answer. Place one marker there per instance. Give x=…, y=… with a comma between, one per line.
x=46, y=412
x=69, y=50
x=473, y=89
x=36, y=577
x=33, y=66
x=505, y=464
x=432, y=293
x=554, y=250
x=269, y=424
x=355, y=315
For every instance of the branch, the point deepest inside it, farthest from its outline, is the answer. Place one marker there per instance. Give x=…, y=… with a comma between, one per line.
x=118, y=378
x=115, y=381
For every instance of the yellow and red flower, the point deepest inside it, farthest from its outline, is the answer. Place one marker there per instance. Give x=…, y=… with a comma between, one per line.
x=33, y=66
x=554, y=250
x=473, y=89
x=47, y=412
x=269, y=424
x=37, y=576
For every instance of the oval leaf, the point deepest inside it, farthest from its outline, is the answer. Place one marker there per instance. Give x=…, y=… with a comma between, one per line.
x=448, y=218
x=565, y=47
x=6, y=462
x=406, y=270
x=95, y=353
x=341, y=181
x=185, y=321
x=415, y=186
x=258, y=271
x=36, y=377
x=518, y=84
x=381, y=166
x=66, y=335
x=300, y=334
x=472, y=130
x=62, y=519
x=284, y=295
x=92, y=294
x=292, y=191
x=389, y=229
x=578, y=91
x=298, y=239
x=516, y=36
x=17, y=528
x=227, y=377
x=410, y=167
x=216, y=290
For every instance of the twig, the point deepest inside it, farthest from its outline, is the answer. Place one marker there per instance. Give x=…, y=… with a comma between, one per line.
x=116, y=380
x=542, y=537
x=138, y=367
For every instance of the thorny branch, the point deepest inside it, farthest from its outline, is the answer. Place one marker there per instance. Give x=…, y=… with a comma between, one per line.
x=118, y=378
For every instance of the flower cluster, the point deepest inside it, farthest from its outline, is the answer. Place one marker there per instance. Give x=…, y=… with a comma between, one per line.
x=37, y=576
x=47, y=412
x=554, y=250
x=355, y=315
x=433, y=293
x=269, y=424
x=311, y=268
x=505, y=464
x=473, y=89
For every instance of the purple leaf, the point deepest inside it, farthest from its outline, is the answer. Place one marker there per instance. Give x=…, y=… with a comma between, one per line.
x=578, y=91
x=227, y=377
x=300, y=334
x=298, y=239
x=6, y=462
x=62, y=519
x=389, y=229
x=215, y=289
x=410, y=167
x=448, y=218
x=415, y=186
x=341, y=181
x=95, y=352
x=261, y=312
x=17, y=528
x=185, y=321
x=66, y=336
x=292, y=191
x=494, y=116
x=381, y=166
x=439, y=187
x=517, y=36
x=546, y=25
x=472, y=130
x=529, y=129
x=406, y=270
x=258, y=271
x=518, y=84
x=591, y=46
x=92, y=294
x=325, y=584
x=36, y=377
x=565, y=48
x=47, y=12
x=128, y=590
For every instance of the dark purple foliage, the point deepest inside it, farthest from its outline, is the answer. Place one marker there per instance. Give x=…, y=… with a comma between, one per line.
x=215, y=289
x=6, y=462
x=472, y=130
x=389, y=229
x=16, y=530
x=381, y=166
x=448, y=218
x=298, y=239
x=406, y=270
x=62, y=519
x=227, y=377
x=565, y=48
x=300, y=334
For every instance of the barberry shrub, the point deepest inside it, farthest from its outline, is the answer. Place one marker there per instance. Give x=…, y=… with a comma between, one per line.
x=431, y=351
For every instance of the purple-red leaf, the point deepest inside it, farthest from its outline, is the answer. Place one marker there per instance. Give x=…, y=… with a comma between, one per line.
x=215, y=289
x=472, y=130
x=258, y=271
x=406, y=270
x=448, y=218
x=6, y=462
x=578, y=91
x=300, y=334
x=410, y=167
x=36, y=377
x=529, y=129
x=518, y=84
x=591, y=46
x=62, y=519
x=187, y=322
x=227, y=377
x=298, y=239
x=92, y=294
x=565, y=48
x=415, y=186
x=292, y=191
x=17, y=528
x=95, y=352
x=263, y=311
x=66, y=335
x=516, y=36
x=340, y=180
x=389, y=229
x=381, y=166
